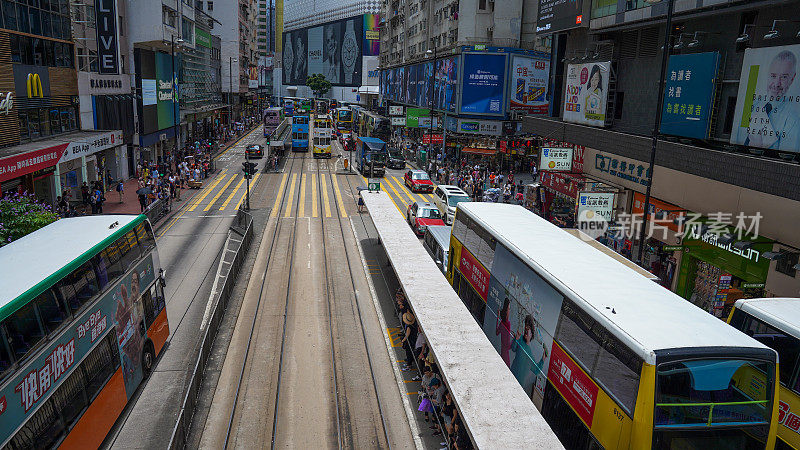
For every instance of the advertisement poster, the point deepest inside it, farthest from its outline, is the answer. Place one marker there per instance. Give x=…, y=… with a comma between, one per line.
x=424, y=85
x=119, y=307
x=445, y=84
x=417, y=117
x=333, y=49
x=596, y=206
x=559, y=15
x=402, y=84
x=689, y=94
x=411, y=85
x=395, y=110
x=475, y=273
x=574, y=385
x=529, y=80
x=586, y=93
x=767, y=113
x=556, y=159
x=372, y=44
x=484, y=80
x=165, y=87
x=520, y=321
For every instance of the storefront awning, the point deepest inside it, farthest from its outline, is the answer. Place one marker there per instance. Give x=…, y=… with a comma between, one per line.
x=368, y=90
x=479, y=151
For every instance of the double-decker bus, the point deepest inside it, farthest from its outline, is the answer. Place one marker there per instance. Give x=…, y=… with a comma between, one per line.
x=300, y=132
x=775, y=322
x=344, y=121
x=82, y=320
x=323, y=128
x=611, y=359
x=272, y=118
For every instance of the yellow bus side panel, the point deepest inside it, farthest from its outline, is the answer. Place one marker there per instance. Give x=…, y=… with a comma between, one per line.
x=455, y=257
x=789, y=417
x=94, y=425
x=642, y=430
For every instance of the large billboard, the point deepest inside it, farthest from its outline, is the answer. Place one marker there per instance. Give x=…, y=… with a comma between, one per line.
x=483, y=83
x=559, y=15
x=154, y=79
x=333, y=49
x=767, y=110
x=586, y=93
x=427, y=84
x=445, y=85
x=529, y=80
x=688, y=94
x=372, y=43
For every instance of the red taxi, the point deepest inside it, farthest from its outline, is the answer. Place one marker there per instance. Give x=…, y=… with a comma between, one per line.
x=418, y=181
x=421, y=215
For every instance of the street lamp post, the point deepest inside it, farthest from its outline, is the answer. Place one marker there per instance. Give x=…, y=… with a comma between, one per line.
x=175, y=104
x=231, y=60
x=656, y=125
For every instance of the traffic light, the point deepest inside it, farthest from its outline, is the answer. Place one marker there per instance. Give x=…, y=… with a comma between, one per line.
x=249, y=169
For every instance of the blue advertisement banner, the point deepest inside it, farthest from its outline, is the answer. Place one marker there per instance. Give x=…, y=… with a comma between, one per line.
x=119, y=311
x=445, y=84
x=688, y=94
x=483, y=83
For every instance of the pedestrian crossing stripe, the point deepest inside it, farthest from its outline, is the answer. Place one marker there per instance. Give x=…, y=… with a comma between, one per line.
x=327, y=201
x=335, y=184
x=289, y=200
x=208, y=190
x=225, y=186
x=230, y=197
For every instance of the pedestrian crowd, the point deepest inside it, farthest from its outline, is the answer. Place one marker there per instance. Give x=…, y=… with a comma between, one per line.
x=434, y=400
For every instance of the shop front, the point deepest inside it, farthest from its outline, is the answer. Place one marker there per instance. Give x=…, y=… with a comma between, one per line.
x=715, y=271
x=662, y=251
x=560, y=194
x=28, y=168
x=90, y=157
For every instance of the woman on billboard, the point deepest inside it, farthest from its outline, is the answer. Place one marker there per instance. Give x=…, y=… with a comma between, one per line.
x=593, y=100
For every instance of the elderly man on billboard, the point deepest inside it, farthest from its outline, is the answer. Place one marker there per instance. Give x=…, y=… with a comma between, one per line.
x=774, y=123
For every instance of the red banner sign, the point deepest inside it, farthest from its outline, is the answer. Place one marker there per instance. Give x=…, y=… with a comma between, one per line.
x=563, y=183
x=670, y=211
x=574, y=385
x=474, y=272
x=25, y=163
x=436, y=138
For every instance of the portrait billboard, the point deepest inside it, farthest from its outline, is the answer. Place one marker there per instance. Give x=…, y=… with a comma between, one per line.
x=766, y=114
x=372, y=44
x=586, y=93
x=165, y=85
x=445, y=84
x=483, y=83
x=295, y=57
x=689, y=94
x=529, y=80
x=559, y=15
x=411, y=85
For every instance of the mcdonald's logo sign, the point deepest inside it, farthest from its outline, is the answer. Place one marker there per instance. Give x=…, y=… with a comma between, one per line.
x=34, y=86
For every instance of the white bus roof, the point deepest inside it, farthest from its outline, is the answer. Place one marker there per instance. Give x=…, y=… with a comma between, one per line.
x=594, y=243
x=441, y=233
x=781, y=312
x=30, y=260
x=642, y=314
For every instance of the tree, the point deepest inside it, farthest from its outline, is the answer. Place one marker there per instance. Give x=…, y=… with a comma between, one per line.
x=318, y=84
x=22, y=214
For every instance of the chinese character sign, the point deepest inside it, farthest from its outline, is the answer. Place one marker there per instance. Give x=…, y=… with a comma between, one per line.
x=767, y=111
x=529, y=79
x=483, y=83
x=556, y=159
x=689, y=94
x=586, y=94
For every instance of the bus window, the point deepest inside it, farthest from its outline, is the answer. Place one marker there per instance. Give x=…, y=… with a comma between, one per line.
x=100, y=365
x=128, y=249
x=153, y=302
x=83, y=282
x=6, y=361
x=145, y=234
x=24, y=332
x=788, y=347
x=51, y=311
x=107, y=265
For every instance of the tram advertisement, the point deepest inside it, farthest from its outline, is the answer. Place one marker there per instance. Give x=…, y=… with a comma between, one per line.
x=522, y=315
x=119, y=307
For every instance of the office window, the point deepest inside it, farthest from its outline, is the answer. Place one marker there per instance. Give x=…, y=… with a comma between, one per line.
x=210, y=6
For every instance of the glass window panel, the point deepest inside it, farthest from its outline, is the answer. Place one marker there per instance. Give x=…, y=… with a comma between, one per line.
x=49, y=55
x=33, y=123
x=102, y=266
x=55, y=121
x=47, y=24
x=23, y=23
x=25, y=50
x=787, y=346
x=35, y=21
x=42, y=430
x=64, y=7
x=84, y=283
x=56, y=24
x=100, y=365
x=10, y=18
x=44, y=122
x=618, y=378
x=145, y=234
x=23, y=125
x=66, y=290
x=66, y=31
x=575, y=335
x=70, y=399
x=6, y=360
x=24, y=332
x=51, y=310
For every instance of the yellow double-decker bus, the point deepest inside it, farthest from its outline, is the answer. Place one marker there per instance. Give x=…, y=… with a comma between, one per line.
x=775, y=322
x=323, y=128
x=610, y=358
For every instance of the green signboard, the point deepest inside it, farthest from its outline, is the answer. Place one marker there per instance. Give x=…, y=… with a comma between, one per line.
x=374, y=184
x=202, y=38
x=413, y=116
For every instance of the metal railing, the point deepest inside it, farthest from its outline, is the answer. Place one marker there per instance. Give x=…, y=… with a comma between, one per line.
x=158, y=209
x=243, y=227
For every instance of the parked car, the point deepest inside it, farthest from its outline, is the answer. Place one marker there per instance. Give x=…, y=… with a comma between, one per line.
x=254, y=151
x=418, y=181
x=421, y=215
x=446, y=197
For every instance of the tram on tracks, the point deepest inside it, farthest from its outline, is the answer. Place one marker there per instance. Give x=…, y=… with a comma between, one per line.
x=300, y=132
x=323, y=135
x=611, y=359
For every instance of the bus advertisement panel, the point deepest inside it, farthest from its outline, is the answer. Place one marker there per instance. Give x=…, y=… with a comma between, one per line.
x=522, y=313
x=120, y=309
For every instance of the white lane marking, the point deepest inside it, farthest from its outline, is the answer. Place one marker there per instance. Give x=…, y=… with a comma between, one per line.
x=412, y=421
x=210, y=302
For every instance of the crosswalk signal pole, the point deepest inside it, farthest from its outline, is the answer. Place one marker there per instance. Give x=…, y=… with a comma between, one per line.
x=247, y=178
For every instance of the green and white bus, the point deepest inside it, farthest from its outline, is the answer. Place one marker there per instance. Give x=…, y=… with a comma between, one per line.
x=82, y=320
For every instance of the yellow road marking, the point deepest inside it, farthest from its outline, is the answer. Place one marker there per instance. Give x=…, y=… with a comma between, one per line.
x=252, y=182
x=338, y=195
x=395, y=335
x=230, y=197
x=399, y=198
x=288, y=211
x=314, y=208
x=278, y=197
x=301, y=205
x=208, y=190
x=216, y=197
x=411, y=195
x=327, y=201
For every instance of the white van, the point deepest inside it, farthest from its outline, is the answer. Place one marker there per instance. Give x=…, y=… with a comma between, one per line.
x=437, y=243
x=446, y=197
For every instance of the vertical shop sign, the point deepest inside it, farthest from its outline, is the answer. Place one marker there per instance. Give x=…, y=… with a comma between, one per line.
x=106, y=14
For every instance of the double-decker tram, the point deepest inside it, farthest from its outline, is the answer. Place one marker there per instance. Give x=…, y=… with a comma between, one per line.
x=272, y=118
x=82, y=320
x=323, y=128
x=775, y=322
x=610, y=358
x=300, y=132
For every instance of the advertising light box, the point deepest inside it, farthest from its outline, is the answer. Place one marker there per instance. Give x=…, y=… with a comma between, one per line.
x=586, y=93
x=483, y=83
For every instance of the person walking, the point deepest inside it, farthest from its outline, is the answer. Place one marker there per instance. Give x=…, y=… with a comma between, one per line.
x=121, y=190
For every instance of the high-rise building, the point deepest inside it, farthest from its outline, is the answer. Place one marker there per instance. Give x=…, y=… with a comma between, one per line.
x=336, y=39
